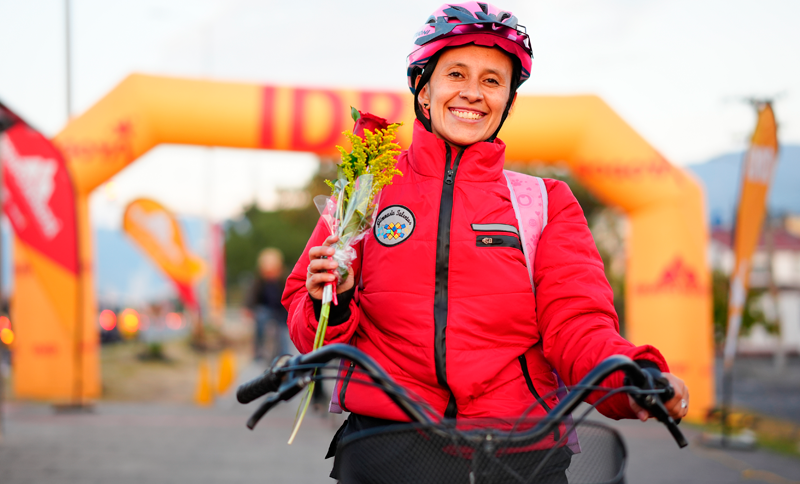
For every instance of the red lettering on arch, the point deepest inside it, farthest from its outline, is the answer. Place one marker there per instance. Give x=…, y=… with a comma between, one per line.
x=267, y=117
x=327, y=143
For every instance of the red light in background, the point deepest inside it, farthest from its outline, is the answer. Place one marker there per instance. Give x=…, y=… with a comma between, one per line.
x=108, y=320
x=5, y=322
x=174, y=321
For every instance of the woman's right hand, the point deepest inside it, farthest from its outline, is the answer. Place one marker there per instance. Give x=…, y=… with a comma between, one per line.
x=318, y=268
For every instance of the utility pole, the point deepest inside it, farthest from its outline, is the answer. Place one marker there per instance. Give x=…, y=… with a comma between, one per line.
x=774, y=224
x=68, y=57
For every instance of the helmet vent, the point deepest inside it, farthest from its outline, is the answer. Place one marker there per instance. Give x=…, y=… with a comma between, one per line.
x=484, y=7
x=503, y=16
x=431, y=20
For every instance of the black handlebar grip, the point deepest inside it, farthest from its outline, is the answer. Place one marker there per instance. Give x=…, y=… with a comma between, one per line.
x=267, y=382
x=258, y=387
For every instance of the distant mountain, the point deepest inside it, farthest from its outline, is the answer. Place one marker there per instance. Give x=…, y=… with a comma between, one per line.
x=722, y=177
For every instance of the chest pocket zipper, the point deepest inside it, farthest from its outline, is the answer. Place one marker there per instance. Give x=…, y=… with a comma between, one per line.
x=497, y=241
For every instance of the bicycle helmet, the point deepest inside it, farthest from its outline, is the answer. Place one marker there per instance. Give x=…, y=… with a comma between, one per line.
x=478, y=23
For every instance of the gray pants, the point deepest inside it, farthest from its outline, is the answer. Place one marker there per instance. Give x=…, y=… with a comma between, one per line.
x=271, y=335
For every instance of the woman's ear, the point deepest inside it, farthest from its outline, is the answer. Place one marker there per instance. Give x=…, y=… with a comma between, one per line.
x=424, y=99
x=513, y=101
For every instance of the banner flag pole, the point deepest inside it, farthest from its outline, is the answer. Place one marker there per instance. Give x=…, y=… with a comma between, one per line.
x=759, y=165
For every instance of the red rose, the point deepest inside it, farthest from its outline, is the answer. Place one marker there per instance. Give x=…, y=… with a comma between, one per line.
x=370, y=122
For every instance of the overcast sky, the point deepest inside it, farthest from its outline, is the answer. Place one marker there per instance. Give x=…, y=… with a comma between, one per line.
x=674, y=69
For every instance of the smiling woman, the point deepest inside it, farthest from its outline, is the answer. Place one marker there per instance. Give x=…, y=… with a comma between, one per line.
x=498, y=292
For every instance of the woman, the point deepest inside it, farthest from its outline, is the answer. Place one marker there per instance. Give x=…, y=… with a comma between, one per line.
x=449, y=316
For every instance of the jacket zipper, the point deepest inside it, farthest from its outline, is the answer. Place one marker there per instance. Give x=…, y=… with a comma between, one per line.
x=344, y=386
x=443, y=266
x=523, y=362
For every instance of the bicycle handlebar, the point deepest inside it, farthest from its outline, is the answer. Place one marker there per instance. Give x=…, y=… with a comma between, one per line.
x=267, y=382
x=288, y=375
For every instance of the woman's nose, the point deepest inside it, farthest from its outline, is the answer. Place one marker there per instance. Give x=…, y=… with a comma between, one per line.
x=472, y=92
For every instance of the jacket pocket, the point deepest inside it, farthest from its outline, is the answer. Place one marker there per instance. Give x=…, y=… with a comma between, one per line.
x=496, y=235
x=495, y=228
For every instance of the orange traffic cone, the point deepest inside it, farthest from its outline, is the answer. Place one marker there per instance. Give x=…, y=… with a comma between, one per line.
x=204, y=396
x=227, y=371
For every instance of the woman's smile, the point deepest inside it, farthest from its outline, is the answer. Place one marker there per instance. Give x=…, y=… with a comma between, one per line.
x=467, y=114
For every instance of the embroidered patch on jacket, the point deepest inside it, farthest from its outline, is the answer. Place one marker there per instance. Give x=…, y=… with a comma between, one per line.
x=394, y=225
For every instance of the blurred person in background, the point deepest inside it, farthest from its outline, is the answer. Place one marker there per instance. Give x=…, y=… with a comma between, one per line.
x=264, y=304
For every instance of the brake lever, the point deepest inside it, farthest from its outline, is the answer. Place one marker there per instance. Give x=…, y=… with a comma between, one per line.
x=286, y=391
x=661, y=382
x=656, y=406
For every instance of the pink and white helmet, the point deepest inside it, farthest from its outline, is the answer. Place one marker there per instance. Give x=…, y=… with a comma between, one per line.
x=478, y=23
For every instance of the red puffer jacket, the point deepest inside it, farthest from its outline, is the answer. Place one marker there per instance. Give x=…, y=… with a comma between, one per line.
x=444, y=301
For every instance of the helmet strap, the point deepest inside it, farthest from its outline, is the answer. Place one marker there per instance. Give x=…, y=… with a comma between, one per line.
x=427, y=72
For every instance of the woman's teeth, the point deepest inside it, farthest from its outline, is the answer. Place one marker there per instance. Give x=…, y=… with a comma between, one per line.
x=467, y=114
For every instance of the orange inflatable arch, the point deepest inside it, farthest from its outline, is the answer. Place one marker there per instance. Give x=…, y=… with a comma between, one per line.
x=668, y=283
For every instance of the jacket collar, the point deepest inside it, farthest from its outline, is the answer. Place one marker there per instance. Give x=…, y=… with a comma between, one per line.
x=481, y=161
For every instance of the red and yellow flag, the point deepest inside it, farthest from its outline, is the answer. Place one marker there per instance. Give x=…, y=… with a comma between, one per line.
x=39, y=200
x=159, y=234
x=759, y=165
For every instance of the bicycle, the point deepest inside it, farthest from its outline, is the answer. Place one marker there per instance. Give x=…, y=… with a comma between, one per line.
x=432, y=449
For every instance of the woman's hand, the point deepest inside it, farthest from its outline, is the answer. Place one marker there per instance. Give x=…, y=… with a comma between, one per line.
x=677, y=407
x=318, y=268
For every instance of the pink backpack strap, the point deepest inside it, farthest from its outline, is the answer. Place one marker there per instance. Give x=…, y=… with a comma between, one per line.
x=529, y=198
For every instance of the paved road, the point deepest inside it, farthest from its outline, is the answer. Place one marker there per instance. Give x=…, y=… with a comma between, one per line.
x=758, y=387
x=149, y=443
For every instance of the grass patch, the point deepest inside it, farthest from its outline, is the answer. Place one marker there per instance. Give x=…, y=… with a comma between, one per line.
x=773, y=434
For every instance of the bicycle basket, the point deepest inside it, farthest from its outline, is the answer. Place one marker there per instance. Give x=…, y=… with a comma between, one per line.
x=420, y=454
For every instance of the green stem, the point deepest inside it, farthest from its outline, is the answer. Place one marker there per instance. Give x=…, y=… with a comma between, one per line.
x=319, y=339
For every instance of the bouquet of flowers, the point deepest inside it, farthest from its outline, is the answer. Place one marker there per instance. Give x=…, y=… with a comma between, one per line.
x=350, y=211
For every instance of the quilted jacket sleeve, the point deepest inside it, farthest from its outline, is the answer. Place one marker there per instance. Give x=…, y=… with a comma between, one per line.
x=301, y=320
x=575, y=304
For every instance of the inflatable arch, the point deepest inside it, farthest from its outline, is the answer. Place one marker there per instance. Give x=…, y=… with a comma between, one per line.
x=668, y=283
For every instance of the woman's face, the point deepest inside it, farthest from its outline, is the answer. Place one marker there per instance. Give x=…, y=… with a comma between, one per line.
x=467, y=94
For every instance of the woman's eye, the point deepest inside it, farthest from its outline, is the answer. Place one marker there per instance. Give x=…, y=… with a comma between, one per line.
x=455, y=74
x=493, y=81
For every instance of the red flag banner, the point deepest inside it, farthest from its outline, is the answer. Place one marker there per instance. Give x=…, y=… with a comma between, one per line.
x=39, y=200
